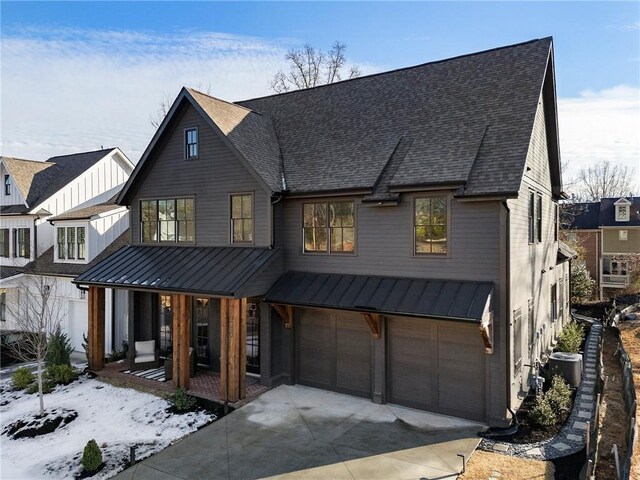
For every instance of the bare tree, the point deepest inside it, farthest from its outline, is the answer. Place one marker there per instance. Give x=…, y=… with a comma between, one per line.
x=39, y=311
x=605, y=180
x=165, y=104
x=310, y=67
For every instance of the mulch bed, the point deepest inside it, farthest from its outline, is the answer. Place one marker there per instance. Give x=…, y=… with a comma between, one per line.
x=35, y=425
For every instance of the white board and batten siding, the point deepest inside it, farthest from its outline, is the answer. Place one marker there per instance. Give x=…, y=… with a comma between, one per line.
x=14, y=197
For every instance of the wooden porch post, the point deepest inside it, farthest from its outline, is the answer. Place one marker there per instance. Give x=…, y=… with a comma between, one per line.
x=233, y=345
x=181, y=333
x=95, y=345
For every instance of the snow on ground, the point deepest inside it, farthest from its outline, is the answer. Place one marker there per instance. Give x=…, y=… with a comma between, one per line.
x=116, y=418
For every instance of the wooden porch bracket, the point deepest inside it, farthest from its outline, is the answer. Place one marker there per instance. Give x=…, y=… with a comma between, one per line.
x=375, y=322
x=95, y=345
x=486, y=331
x=181, y=338
x=286, y=313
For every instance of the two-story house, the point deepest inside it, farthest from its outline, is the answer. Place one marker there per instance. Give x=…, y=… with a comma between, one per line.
x=393, y=236
x=57, y=218
x=609, y=232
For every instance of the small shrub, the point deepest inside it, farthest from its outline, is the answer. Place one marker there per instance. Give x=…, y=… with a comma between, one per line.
x=542, y=414
x=91, y=457
x=559, y=395
x=22, y=378
x=570, y=339
x=181, y=401
x=47, y=387
x=116, y=355
x=60, y=374
x=59, y=351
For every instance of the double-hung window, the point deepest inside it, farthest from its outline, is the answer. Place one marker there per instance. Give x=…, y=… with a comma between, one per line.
x=191, y=143
x=329, y=227
x=242, y=218
x=23, y=243
x=168, y=220
x=7, y=185
x=532, y=214
x=4, y=242
x=70, y=242
x=554, y=302
x=430, y=225
x=539, y=218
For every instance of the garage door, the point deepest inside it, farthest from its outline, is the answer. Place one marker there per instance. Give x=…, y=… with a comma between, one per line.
x=436, y=367
x=333, y=351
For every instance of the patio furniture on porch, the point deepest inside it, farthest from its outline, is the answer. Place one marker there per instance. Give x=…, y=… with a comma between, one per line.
x=144, y=355
x=168, y=366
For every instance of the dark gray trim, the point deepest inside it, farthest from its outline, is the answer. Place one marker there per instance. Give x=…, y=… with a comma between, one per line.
x=184, y=142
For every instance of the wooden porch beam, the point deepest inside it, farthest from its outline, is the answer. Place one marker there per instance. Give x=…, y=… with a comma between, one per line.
x=286, y=313
x=485, y=332
x=96, y=326
x=233, y=345
x=375, y=322
x=181, y=339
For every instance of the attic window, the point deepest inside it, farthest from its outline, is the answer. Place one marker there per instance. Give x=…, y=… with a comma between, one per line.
x=7, y=185
x=191, y=143
x=622, y=213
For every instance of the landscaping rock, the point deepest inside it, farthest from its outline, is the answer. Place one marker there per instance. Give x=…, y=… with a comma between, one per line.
x=34, y=425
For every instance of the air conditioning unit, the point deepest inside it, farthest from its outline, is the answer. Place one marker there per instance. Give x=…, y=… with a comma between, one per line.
x=569, y=365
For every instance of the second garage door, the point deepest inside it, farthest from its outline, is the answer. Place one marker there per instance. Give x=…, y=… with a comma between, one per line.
x=333, y=351
x=436, y=366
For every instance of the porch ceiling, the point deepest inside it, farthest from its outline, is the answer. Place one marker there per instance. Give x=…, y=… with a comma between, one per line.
x=220, y=271
x=446, y=299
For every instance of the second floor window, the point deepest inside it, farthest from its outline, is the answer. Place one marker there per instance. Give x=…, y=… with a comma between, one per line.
x=191, y=143
x=4, y=242
x=430, y=225
x=532, y=214
x=554, y=302
x=242, y=218
x=329, y=227
x=23, y=243
x=7, y=185
x=71, y=243
x=539, y=218
x=167, y=220
x=622, y=213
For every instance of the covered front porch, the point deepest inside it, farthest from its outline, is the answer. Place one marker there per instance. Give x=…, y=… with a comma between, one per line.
x=194, y=317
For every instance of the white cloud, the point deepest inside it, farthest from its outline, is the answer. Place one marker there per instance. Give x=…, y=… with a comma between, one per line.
x=72, y=90
x=600, y=125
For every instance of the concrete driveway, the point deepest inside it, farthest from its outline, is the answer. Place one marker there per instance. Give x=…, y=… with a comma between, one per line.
x=298, y=432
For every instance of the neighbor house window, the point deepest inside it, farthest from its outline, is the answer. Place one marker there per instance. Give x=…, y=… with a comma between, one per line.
x=3, y=305
x=517, y=339
x=532, y=214
x=23, y=243
x=555, y=222
x=191, y=143
x=4, y=242
x=430, y=225
x=242, y=218
x=71, y=243
x=561, y=294
x=329, y=227
x=539, y=218
x=622, y=235
x=554, y=302
x=167, y=220
x=622, y=213
x=82, y=251
x=7, y=185
x=61, y=242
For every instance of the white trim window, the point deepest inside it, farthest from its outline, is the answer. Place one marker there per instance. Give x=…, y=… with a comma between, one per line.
x=71, y=243
x=623, y=235
x=623, y=207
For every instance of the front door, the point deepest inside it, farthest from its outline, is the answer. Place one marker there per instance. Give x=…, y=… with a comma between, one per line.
x=202, y=330
x=253, y=338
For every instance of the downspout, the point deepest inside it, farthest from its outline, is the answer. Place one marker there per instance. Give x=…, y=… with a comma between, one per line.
x=272, y=221
x=35, y=238
x=507, y=309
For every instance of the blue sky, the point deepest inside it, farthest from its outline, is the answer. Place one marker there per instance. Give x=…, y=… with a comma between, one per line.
x=234, y=48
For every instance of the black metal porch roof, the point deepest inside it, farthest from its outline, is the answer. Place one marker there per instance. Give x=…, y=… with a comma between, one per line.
x=459, y=300
x=219, y=271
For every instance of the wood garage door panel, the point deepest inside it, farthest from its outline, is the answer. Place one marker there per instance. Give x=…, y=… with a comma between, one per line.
x=353, y=355
x=316, y=340
x=461, y=376
x=410, y=368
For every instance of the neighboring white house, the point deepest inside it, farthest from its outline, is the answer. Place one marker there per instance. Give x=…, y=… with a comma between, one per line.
x=57, y=218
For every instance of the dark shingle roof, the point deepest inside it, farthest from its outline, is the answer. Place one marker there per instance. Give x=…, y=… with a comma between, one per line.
x=6, y=272
x=37, y=181
x=592, y=215
x=86, y=212
x=565, y=252
x=400, y=296
x=469, y=120
x=45, y=265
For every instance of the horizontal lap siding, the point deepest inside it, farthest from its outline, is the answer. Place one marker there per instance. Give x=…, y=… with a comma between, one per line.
x=611, y=242
x=211, y=177
x=385, y=243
